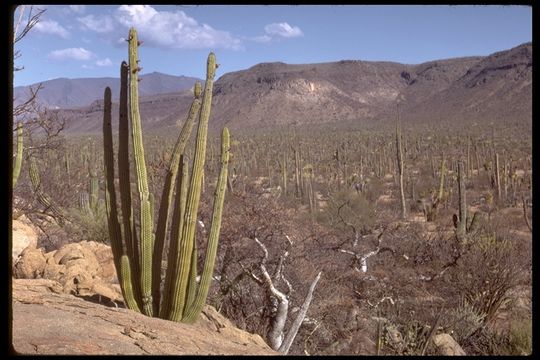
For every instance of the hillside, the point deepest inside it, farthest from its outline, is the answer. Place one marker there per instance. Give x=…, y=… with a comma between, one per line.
x=72, y=93
x=497, y=87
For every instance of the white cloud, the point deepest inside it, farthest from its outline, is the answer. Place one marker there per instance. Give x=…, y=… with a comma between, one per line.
x=51, y=27
x=99, y=25
x=71, y=53
x=173, y=29
x=283, y=30
x=104, y=62
x=79, y=9
x=261, y=39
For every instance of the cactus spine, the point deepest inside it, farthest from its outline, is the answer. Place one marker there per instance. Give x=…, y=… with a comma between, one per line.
x=138, y=258
x=19, y=155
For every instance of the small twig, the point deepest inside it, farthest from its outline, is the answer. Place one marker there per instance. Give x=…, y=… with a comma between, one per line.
x=529, y=226
x=431, y=333
x=317, y=324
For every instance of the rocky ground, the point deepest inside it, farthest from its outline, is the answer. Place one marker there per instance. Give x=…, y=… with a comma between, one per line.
x=47, y=321
x=68, y=301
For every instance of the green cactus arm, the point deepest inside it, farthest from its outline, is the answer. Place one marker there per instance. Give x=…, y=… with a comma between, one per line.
x=206, y=278
x=126, y=283
x=192, y=287
x=19, y=155
x=122, y=266
x=146, y=215
x=166, y=196
x=130, y=233
x=176, y=229
x=462, y=220
x=192, y=202
x=93, y=186
x=440, y=194
x=172, y=280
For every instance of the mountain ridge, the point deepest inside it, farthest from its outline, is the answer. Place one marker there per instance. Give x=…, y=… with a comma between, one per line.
x=79, y=92
x=497, y=87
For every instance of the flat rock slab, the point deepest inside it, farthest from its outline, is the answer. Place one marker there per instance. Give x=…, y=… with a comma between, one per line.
x=47, y=322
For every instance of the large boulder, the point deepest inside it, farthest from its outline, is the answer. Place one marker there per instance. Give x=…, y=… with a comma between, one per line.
x=84, y=269
x=30, y=264
x=24, y=235
x=447, y=346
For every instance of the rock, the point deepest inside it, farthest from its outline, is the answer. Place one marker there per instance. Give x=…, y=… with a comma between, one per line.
x=105, y=258
x=30, y=265
x=45, y=323
x=447, y=345
x=395, y=338
x=23, y=236
x=75, y=267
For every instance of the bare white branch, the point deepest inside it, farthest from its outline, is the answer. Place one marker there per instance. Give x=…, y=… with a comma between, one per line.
x=287, y=342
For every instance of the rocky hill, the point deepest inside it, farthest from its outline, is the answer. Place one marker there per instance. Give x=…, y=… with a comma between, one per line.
x=71, y=93
x=497, y=87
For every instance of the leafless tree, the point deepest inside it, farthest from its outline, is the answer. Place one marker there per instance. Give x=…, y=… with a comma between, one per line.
x=279, y=301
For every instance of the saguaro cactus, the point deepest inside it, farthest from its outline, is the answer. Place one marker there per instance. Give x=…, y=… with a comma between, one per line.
x=461, y=223
x=399, y=154
x=138, y=251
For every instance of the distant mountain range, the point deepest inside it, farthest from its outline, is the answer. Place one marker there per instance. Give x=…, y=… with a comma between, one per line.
x=70, y=93
x=497, y=87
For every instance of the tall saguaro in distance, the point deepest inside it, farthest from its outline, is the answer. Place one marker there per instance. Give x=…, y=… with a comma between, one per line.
x=399, y=153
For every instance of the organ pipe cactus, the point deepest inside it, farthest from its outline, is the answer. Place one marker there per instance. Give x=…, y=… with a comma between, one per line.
x=138, y=250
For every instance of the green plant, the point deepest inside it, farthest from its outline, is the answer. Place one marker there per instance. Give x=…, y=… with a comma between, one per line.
x=89, y=220
x=464, y=227
x=44, y=199
x=138, y=251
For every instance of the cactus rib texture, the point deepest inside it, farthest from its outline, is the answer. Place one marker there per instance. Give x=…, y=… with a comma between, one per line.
x=206, y=277
x=166, y=196
x=121, y=260
x=193, y=197
x=146, y=216
x=138, y=249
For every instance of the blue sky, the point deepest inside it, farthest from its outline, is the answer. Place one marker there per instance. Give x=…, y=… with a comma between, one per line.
x=87, y=41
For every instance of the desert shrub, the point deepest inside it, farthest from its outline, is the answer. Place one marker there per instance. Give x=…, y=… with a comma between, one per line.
x=348, y=210
x=88, y=225
x=488, y=271
x=519, y=338
x=487, y=341
x=462, y=321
